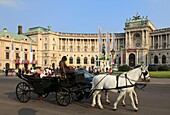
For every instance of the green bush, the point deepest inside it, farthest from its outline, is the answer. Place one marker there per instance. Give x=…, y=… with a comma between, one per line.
x=153, y=68
x=163, y=68
x=124, y=68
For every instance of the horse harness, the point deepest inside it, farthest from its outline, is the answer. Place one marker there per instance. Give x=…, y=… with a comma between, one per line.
x=126, y=86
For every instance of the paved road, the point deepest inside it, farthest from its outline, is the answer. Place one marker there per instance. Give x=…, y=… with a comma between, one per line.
x=154, y=100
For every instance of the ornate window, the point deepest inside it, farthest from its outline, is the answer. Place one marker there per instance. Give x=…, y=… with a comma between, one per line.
x=78, y=60
x=78, y=48
x=45, y=46
x=71, y=48
x=7, y=55
x=164, y=45
x=85, y=48
x=92, y=48
x=137, y=40
x=85, y=60
x=156, y=46
x=92, y=60
x=63, y=48
x=71, y=60
x=156, y=59
x=25, y=56
x=163, y=59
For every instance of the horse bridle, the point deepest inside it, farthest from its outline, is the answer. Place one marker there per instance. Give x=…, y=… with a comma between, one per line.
x=144, y=74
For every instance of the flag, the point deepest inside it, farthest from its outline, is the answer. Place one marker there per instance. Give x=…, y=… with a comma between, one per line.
x=107, y=55
x=100, y=43
x=12, y=51
x=31, y=54
x=114, y=47
x=21, y=54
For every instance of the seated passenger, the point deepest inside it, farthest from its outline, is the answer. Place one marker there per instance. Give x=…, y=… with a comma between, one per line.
x=64, y=68
x=68, y=70
x=42, y=73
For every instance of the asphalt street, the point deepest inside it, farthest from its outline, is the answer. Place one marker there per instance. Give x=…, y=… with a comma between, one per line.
x=153, y=100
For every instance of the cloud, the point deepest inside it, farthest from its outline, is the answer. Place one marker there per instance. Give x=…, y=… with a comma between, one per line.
x=10, y=3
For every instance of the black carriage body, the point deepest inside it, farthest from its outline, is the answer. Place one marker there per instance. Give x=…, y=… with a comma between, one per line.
x=42, y=86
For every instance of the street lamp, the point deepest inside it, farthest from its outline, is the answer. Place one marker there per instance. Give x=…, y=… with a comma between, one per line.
x=112, y=60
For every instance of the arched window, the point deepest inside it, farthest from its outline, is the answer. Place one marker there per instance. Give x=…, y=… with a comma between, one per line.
x=92, y=48
x=137, y=40
x=71, y=48
x=92, y=60
x=78, y=60
x=71, y=60
x=156, y=46
x=63, y=47
x=164, y=45
x=156, y=59
x=78, y=48
x=163, y=59
x=45, y=46
x=85, y=60
x=85, y=48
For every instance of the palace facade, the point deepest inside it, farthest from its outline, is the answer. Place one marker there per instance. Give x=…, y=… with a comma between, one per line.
x=141, y=43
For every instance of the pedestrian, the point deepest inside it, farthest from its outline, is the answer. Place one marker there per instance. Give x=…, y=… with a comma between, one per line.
x=6, y=72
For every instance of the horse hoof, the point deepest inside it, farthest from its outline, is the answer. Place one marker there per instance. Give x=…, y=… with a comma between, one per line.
x=101, y=108
x=124, y=105
x=92, y=105
x=114, y=109
x=136, y=110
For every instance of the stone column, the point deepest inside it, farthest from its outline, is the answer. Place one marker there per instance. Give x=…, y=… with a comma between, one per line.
x=121, y=52
x=153, y=43
x=158, y=42
x=161, y=43
x=130, y=40
x=166, y=41
x=127, y=58
x=137, y=53
x=143, y=38
x=127, y=40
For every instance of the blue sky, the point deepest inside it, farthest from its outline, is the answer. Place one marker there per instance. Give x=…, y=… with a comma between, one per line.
x=80, y=16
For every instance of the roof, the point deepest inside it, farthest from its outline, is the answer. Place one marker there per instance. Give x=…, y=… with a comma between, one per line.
x=39, y=29
x=19, y=37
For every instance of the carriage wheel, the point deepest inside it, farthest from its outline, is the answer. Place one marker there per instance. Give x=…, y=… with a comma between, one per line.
x=63, y=96
x=23, y=92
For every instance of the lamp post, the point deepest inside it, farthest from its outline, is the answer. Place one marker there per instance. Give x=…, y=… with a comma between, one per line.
x=112, y=60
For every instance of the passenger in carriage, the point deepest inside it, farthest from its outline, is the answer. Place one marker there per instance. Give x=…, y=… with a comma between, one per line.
x=68, y=70
x=42, y=73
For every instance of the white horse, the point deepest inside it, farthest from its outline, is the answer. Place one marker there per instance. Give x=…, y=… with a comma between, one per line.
x=122, y=85
x=133, y=91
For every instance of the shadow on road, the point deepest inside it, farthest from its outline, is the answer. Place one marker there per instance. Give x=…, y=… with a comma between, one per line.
x=27, y=111
x=11, y=95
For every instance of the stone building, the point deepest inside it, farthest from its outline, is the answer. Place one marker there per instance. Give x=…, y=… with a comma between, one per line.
x=141, y=43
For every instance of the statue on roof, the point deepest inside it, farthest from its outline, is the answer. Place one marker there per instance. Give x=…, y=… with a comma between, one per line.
x=137, y=16
x=49, y=28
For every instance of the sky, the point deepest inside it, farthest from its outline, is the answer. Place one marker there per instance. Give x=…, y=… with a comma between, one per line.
x=80, y=16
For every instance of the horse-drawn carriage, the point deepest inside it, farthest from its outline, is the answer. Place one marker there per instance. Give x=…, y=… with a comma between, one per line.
x=65, y=88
